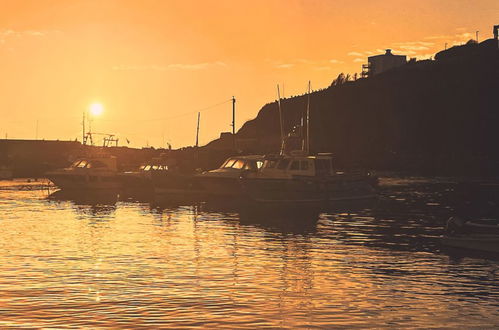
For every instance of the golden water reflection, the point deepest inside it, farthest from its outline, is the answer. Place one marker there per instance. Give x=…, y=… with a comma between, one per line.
x=103, y=263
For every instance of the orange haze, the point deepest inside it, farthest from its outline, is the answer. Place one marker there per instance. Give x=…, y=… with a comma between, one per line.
x=153, y=64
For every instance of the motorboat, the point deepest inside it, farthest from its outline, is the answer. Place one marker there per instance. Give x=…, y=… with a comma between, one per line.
x=225, y=181
x=141, y=180
x=472, y=235
x=300, y=178
x=94, y=172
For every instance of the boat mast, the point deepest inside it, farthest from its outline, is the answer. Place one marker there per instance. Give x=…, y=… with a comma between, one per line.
x=281, y=152
x=307, y=145
x=197, y=130
x=234, y=122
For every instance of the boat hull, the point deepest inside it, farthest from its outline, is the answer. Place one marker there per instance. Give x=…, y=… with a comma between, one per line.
x=486, y=243
x=306, y=190
x=84, y=182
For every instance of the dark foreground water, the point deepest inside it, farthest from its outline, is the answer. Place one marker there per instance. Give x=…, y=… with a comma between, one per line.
x=93, y=264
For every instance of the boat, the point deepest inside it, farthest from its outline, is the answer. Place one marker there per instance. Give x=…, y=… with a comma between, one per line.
x=140, y=182
x=300, y=178
x=472, y=235
x=296, y=176
x=93, y=172
x=225, y=181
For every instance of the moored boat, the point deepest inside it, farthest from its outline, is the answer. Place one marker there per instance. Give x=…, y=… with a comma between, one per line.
x=226, y=180
x=94, y=172
x=140, y=182
x=299, y=178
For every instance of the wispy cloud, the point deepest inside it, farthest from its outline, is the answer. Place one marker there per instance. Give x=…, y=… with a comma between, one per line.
x=171, y=67
x=355, y=54
x=335, y=61
x=7, y=34
x=359, y=60
x=285, y=66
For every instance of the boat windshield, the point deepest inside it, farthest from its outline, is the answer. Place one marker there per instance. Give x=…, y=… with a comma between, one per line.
x=253, y=165
x=81, y=164
x=234, y=163
x=228, y=163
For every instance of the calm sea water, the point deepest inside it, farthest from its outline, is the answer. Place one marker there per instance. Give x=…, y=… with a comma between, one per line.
x=122, y=264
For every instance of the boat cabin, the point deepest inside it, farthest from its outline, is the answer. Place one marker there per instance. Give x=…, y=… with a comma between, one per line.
x=252, y=163
x=96, y=163
x=149, y=167
x=290, y=165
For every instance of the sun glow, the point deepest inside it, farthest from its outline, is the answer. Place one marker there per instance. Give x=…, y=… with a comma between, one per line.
x=96, y=109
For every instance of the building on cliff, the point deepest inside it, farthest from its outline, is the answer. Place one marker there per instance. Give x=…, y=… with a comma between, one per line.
x=381, y=63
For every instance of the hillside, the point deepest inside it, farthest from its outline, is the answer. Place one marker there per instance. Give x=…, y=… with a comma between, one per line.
x=435, y=117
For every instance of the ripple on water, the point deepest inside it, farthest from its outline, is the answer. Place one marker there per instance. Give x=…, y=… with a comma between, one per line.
x=102, y=263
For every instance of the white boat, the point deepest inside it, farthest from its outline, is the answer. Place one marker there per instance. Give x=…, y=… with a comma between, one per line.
x=97, y=172
x=300, y=178
x=226, y=180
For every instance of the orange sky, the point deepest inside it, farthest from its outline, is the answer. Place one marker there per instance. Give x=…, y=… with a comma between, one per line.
x=153, y=64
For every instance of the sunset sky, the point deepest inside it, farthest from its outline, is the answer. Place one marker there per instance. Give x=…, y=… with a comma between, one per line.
x=154, y=64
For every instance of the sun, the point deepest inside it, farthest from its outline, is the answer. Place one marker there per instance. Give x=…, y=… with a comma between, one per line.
x=96, y=109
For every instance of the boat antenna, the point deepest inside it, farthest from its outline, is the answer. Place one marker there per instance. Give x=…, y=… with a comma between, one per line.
x=281, y=152
x=307, y=145
x=234, y=122
x=197, y=130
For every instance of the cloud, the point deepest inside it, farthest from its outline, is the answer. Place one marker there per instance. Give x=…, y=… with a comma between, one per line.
x=9, y=34
x=414, y=48
x=334, y=61
x=359, y=60
x=285, y=66
x=170, y=67
x=355, y=54
x=424, y=56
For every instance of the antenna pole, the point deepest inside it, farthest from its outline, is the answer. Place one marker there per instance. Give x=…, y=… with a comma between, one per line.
x=280, y=119
x=233, y=115
x=197, y=131
x=234, y=122
x=308, y=120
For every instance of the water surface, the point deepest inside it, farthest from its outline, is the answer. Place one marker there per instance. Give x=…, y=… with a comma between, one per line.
x=84, y=262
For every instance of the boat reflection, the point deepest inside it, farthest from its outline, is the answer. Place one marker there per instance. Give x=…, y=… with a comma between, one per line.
x=95, y=203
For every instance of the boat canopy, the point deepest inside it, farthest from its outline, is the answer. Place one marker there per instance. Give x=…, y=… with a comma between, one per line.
x=96, y=163
x=298, y=165
x=243, y=163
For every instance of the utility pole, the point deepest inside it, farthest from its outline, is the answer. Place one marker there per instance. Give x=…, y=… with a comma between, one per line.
x=197, y=131
x=308, y=118
x=476, y=32
x=234, y=121
x=280, y=120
